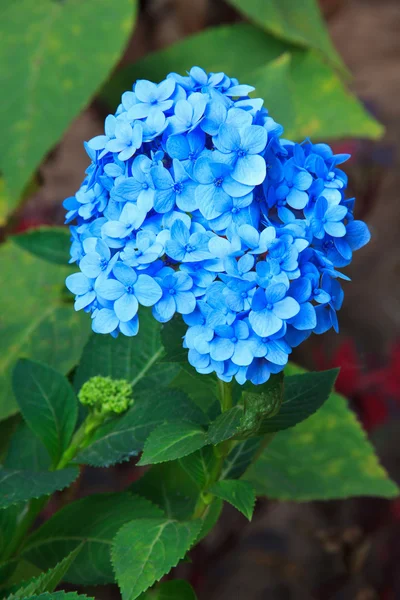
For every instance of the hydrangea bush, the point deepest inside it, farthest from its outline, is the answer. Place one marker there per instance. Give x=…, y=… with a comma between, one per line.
x=195, y=204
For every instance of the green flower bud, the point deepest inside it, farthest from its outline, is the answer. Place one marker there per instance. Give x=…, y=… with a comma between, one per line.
x=106, y=395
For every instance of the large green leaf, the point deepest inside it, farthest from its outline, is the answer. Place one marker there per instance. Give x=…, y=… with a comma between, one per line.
x=36, y=321
x=322, y=107
x=177, y=589
x=297, y=22
x=20, y=486
x=326, y=456
x=146, y=549
x=26, y=451
x=48, y=581
x=125, y=437
x=94, y=520
x=48, y=404
x=171, y=441
x=63, y=51
x=239, y=458
x=8, y=525
x=238, y=493
x=130, y=358
x=304, y=394
x=49, y=243
x=169, y=486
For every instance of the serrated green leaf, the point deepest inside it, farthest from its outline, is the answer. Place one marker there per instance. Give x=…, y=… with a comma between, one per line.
x=48, y=581
x=36, y=321
x=325, y=457
x=323, y=107
x=47, y=403
x=177, y=589
x=239, y=458
x=225, y=426
x=20, y=486
x=240, y=494
x=132, y=358
x=26, y=451
x=171, y=441
x=145, y=550
x=199, y=465
x=303, y=395
x=94, y=520
x=48, y=243
x=54, y=48
x=125, y=437
x=300, y=23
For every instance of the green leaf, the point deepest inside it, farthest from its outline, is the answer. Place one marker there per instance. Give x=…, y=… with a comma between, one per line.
x=239, y=458
x=198, y=466
x=94, y=520
x=36, y=321
x=133, y=359
x=48, y=243
x=125, y=437
x=226, y=425
x=322, y=106
x=172, y=440
x=238, y=493
x=26, y=451
x=202, y=389
x=328, y=456
x=61, y=596
x=47, y=403
x=170, y=487
x=300, y=23
x=8, y=525
x=20, y=486
x=172, y=338
x=146, y=549
x=54, y=48
x=177, y=589
x=46, y=582
x=303, y=395
x=7, y=430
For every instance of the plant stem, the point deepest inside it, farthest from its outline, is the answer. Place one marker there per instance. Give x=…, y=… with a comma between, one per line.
x=221, y=451
x=225, y=395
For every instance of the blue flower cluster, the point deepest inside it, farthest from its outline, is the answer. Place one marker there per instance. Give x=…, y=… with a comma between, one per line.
x=194, y=204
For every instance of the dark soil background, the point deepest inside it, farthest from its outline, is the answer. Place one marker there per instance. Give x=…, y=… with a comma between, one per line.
x=318, y=551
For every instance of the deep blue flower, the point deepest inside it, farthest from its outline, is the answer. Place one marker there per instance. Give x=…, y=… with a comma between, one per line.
x=186, y=247
x=177, y=295
x=328, y=219
x=177, y=190
x=271, y=308
x=241, y=150
x=128, y=290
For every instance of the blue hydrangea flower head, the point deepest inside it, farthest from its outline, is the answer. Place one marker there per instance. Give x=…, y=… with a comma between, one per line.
x=194, y=205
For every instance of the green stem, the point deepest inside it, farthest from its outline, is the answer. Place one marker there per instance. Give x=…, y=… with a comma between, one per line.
x=80, y=440
x=225, y=395
x=221, y=451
